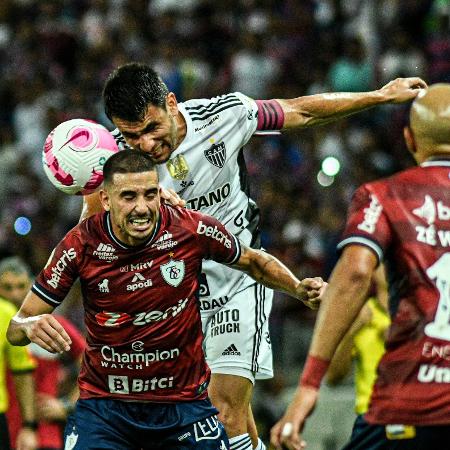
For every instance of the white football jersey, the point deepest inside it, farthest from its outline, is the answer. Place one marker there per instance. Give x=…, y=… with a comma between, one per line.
x=208, y=171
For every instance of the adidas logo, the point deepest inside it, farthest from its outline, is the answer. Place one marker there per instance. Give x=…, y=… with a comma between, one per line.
x=231, y=351
x=105, y=252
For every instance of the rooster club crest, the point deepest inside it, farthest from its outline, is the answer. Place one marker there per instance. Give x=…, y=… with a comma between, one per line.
x=216, y=154
x=173, y=272
x=178, y=167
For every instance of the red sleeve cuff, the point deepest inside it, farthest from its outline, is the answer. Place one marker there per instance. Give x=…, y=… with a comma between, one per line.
x=314, y=371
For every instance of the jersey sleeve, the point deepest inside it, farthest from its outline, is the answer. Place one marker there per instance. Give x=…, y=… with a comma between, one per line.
x=247, y=115
x=60, y=272
x=234, y=114
x=216, y=242
x=367, y=223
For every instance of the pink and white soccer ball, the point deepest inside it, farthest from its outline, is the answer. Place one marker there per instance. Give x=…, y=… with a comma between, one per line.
x=74, y=154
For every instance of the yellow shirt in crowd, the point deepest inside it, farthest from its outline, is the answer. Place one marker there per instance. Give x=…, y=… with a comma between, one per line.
x=17, y=359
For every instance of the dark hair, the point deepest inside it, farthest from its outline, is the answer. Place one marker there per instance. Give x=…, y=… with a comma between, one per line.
x=130, y=89
x=127, y=161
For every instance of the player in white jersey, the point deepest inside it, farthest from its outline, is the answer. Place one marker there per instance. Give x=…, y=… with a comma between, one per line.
x=198, y=146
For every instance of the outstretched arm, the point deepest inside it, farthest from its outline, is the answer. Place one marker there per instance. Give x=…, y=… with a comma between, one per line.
x=320, y=109
x=341, y=304
x=271, y=272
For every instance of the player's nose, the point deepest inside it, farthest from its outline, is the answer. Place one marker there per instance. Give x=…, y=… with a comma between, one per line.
x=140, y=206
x=146, y=143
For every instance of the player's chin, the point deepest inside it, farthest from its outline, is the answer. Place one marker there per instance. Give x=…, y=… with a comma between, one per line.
x=139, y=236
x=162, y=155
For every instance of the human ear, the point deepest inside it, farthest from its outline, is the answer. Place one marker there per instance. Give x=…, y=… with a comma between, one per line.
x=409, y=140
x=104, y=199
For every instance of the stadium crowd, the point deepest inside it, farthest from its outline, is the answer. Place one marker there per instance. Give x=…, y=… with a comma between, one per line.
x=56, y=54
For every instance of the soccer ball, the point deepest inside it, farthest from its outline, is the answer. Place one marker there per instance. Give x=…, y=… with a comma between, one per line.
x=74, y=154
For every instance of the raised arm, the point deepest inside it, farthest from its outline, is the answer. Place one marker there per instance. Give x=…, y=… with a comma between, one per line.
x=320, y=109
x=34, y=323
x=271, y=272
x=341, y=304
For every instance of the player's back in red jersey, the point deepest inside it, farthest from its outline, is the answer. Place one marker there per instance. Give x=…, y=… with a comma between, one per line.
x=140, y=346
x=405, y=220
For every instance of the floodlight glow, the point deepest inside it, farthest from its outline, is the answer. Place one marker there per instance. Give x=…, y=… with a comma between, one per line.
x=324, y=180
x=331, y=166
x=22, y=225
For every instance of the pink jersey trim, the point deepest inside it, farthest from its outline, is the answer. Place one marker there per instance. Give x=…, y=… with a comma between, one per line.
x=270, y=115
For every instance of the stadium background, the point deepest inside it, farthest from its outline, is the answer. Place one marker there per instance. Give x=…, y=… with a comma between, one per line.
x=56, y=54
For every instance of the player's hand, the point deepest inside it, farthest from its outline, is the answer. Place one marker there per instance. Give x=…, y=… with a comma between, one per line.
x=402, y=89
x=45, y=331
x=50, y=408
x=285, y=434
x=26, y=439
x=310, y=291
x=170, y=196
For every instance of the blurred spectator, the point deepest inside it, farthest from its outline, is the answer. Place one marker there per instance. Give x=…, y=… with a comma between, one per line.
x=401, y=57
x=352, y=71
x=438, y=43
x=15, y=282
x=251, y=69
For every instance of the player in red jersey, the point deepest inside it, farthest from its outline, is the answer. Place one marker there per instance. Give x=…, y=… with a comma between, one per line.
x=144, y=376
x=405, y=221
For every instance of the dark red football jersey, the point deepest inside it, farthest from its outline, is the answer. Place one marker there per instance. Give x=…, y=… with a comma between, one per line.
x=405, y=220
x=144, y=335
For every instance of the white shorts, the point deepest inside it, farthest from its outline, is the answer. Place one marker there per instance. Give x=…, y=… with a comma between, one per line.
x=236, y=337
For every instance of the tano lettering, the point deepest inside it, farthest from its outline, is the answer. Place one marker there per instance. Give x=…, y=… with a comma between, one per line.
x=209, y=199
